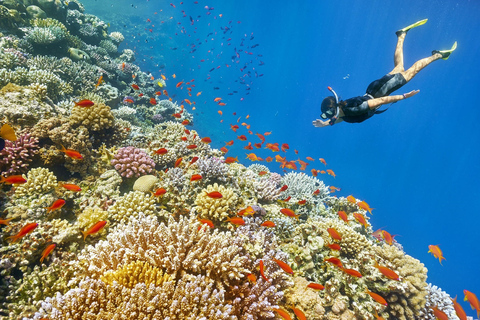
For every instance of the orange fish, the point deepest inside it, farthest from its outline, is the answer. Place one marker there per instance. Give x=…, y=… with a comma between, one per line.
x=206, y=140
x=314, y=172
x=15, y=179
x=333, y=189
x=234, y=127
x=262, y=173
x=365, y=206
x=330, y=172
x=310, y=158
x=72, y=153
x=248, y=147
x=222, y=104
x=439, y=314
x=161, y=151
x=174, y=75
x=231, y=160
x=285, y=267
x=5, y=222
x=360, y=219
x=191, y=146
x=153, y=101
x=224, y=149
x=252, y=278
x=315, y=286
x=289, y=213
x=194, y=159
x=220, y=112
x=242, y=138
x=262, y=267
x=377, y=297
x=179, y=84
x=474, y=303
x=100, y=80
x=388, y=237
x=217, y=99
x=163, y=77
x=323, y=161
x=269, y=159
x=7, y=133
x=459, y=310
x=96, y=228
x=135, y=86
x=185, y=122
x=229, y=143
x=84, y=103
x=58, y=204
x=177, y=115
x=47, y=251
x=236, y=221
x=267, y=133
x=285, y=147
x=299, y=313
x=188, y=101
x=302, y=202
x=282, y=313
x=268, y=224
x=352, y=199
x=352, y=272
x=128, y=100
x=283, y=188
x=334, y=261
x=343, y=216
x=178, y=162
x=71, y=187
x=390, y=274
x=199, y=93
x=159, y=192
x=195, y=177
x=334, y=234
x=29, y=227
x=334, y=246
x=123, y=66
x=214, y=195
x=165, y=92
x=437, y=252
x=251, y=156
x=248, y=211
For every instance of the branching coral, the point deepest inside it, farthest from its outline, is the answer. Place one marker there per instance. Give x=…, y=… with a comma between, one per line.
x=132, y=162
x=17, y=155
x=213, y=208
x=130, y=205
x=95, y=118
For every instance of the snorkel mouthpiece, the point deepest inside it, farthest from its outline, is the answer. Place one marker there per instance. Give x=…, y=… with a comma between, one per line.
x=337, y=109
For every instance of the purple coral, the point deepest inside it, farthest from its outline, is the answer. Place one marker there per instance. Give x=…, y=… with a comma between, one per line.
x=132, y=162
x=17, y=155
x=157, y=118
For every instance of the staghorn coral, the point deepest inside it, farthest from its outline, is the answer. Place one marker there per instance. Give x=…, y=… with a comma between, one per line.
x=437, y=298
x=17, y=155
x=216, y=209
x=302, y=186
x=132, y=162
x=212, y=169
x=129, y=275
x=130, y=206
x=96, y=117
x=267, y=189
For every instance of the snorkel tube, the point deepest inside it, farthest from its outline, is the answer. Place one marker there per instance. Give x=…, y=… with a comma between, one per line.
x=337, y=109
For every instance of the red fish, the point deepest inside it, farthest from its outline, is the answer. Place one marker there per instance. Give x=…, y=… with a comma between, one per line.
x=268, y=224
x=84, y=103
x=71, y=187
x=72, y=153
x=207, y=222
x=474, y=303
x=229, y=143
x=136, y=87
x=283, y=188
x=285, y=267
x=178, y=162
x=262, y=267
x=153, y=101
x=252, y=278
x=191, y=146
x=437, y=252
x=242, y=138
x=302, y=202
x=194, y=159
x=334, y=234
x=15, y=179
x=315, y=286
x=352, y=272
x=248, y=147
x=58, y=204
x=289, y=213
x=231, y=160
x=159, y=192
x=282, y=313
x=389, y=273
x=334, y=246
x=360, y=219
x=377, y=297
x=179, y=84
x=459, y=310
x=47, y=251
x=299, y=313
x=236, y=221
x=206, y=140
x=224, y=149
x=334, y=261
x=161, y=151
x=439, y=314
x=5, y=222
x=195, y=177
x=343, y=216
x=214, y=195
x=96, y=228
x=285, y=147
x=28, y=228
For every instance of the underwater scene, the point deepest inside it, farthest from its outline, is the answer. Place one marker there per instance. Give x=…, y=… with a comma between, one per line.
x=188, y=160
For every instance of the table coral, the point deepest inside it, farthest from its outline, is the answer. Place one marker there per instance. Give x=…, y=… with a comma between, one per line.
x=132, y=162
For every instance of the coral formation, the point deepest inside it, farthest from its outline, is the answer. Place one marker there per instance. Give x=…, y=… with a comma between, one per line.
x=17, y=155
x=213, y=208
x=132, y=162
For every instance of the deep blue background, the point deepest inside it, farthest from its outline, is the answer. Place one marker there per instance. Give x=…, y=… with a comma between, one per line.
x=418, y=164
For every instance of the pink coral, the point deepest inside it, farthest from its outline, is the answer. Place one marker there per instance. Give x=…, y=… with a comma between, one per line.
x=17, y=155
x=132, y=162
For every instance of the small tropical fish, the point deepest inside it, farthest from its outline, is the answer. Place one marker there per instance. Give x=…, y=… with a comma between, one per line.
x=242, y=138
x=268, y=224
x=161, y=151
x=330, y=172
x=439, y=314
x=153, y=101
x=188, y=101
x=47, y=251
x=72, y=153
x=220, y=112
x=179, y=84
x=214, y=195
x=251, y=156
x=389, y=273
x=315, y=286
x=248, y=211
x=302, y=202
x=231, y=160
x=195, y=177
x=285, y=147
x=100, y=80
x=165, y=92
x=352, y=272
x=5, y=222
x=334, y=234
x=123, y=66
x=58, y=204
x=128, y=100
x=252, y=278
x=299, y=313
x=177, y=115
x=262, y=267
x=217, y=99
x=360, y=219
x=335, y=261
x=163, y=77
x=377, y=297
x=323, y=161
x=236, y=221
x=334, y=246
x=71, y=187
x=194, y=159
x=365, y=206
x=352, y=199
x=7, y=133
x=333, y=189
x=207, y=222
x=96, y=228
x=282, y=313
x=314, y=172
x=283, y=188
x=285, y=267
x=15, y=179
x=343, y=216
x=84, y=103
x=199, y=93
x=289, y=213
x=473, y=300
x=28, y=228
x=459, y=310
x=185, y=122
x=206, y=140
x=286, y=199
x=437, y=252
x=135, y=86
x=224, y=149
x=159, y=192
x=388, y=237
x=178, y=162
x=191, y=146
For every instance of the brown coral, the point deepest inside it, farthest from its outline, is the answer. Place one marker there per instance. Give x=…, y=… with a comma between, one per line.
x=95, y=118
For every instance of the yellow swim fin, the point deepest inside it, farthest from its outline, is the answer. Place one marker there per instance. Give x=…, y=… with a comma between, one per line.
x=446, y=53
x=416, y=24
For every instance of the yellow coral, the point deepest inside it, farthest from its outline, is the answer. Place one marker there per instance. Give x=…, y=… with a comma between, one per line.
x=306, y=299
x=136, y=272
x=97, y=117
x=89, y=216
x=130, y=205
x=216, y=209
x=145, y=183
x=39, y=181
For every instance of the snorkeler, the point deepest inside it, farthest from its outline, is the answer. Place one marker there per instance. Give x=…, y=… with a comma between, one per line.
x=361, y=108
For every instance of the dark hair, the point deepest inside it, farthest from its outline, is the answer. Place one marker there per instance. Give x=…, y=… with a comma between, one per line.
x=328, y=103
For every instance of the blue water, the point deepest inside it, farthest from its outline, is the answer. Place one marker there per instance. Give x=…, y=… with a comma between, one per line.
x=418, y=164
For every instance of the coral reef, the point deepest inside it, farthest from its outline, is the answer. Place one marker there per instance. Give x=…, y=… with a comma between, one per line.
x=132, y=162
x=17, y=155
x=216, y=209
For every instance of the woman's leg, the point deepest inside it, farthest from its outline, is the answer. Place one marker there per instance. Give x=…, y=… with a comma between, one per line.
x=419, y=65
x=398, y=56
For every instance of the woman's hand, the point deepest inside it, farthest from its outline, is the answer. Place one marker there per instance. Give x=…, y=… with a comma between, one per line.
x=319, y=123
x=411, y=93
